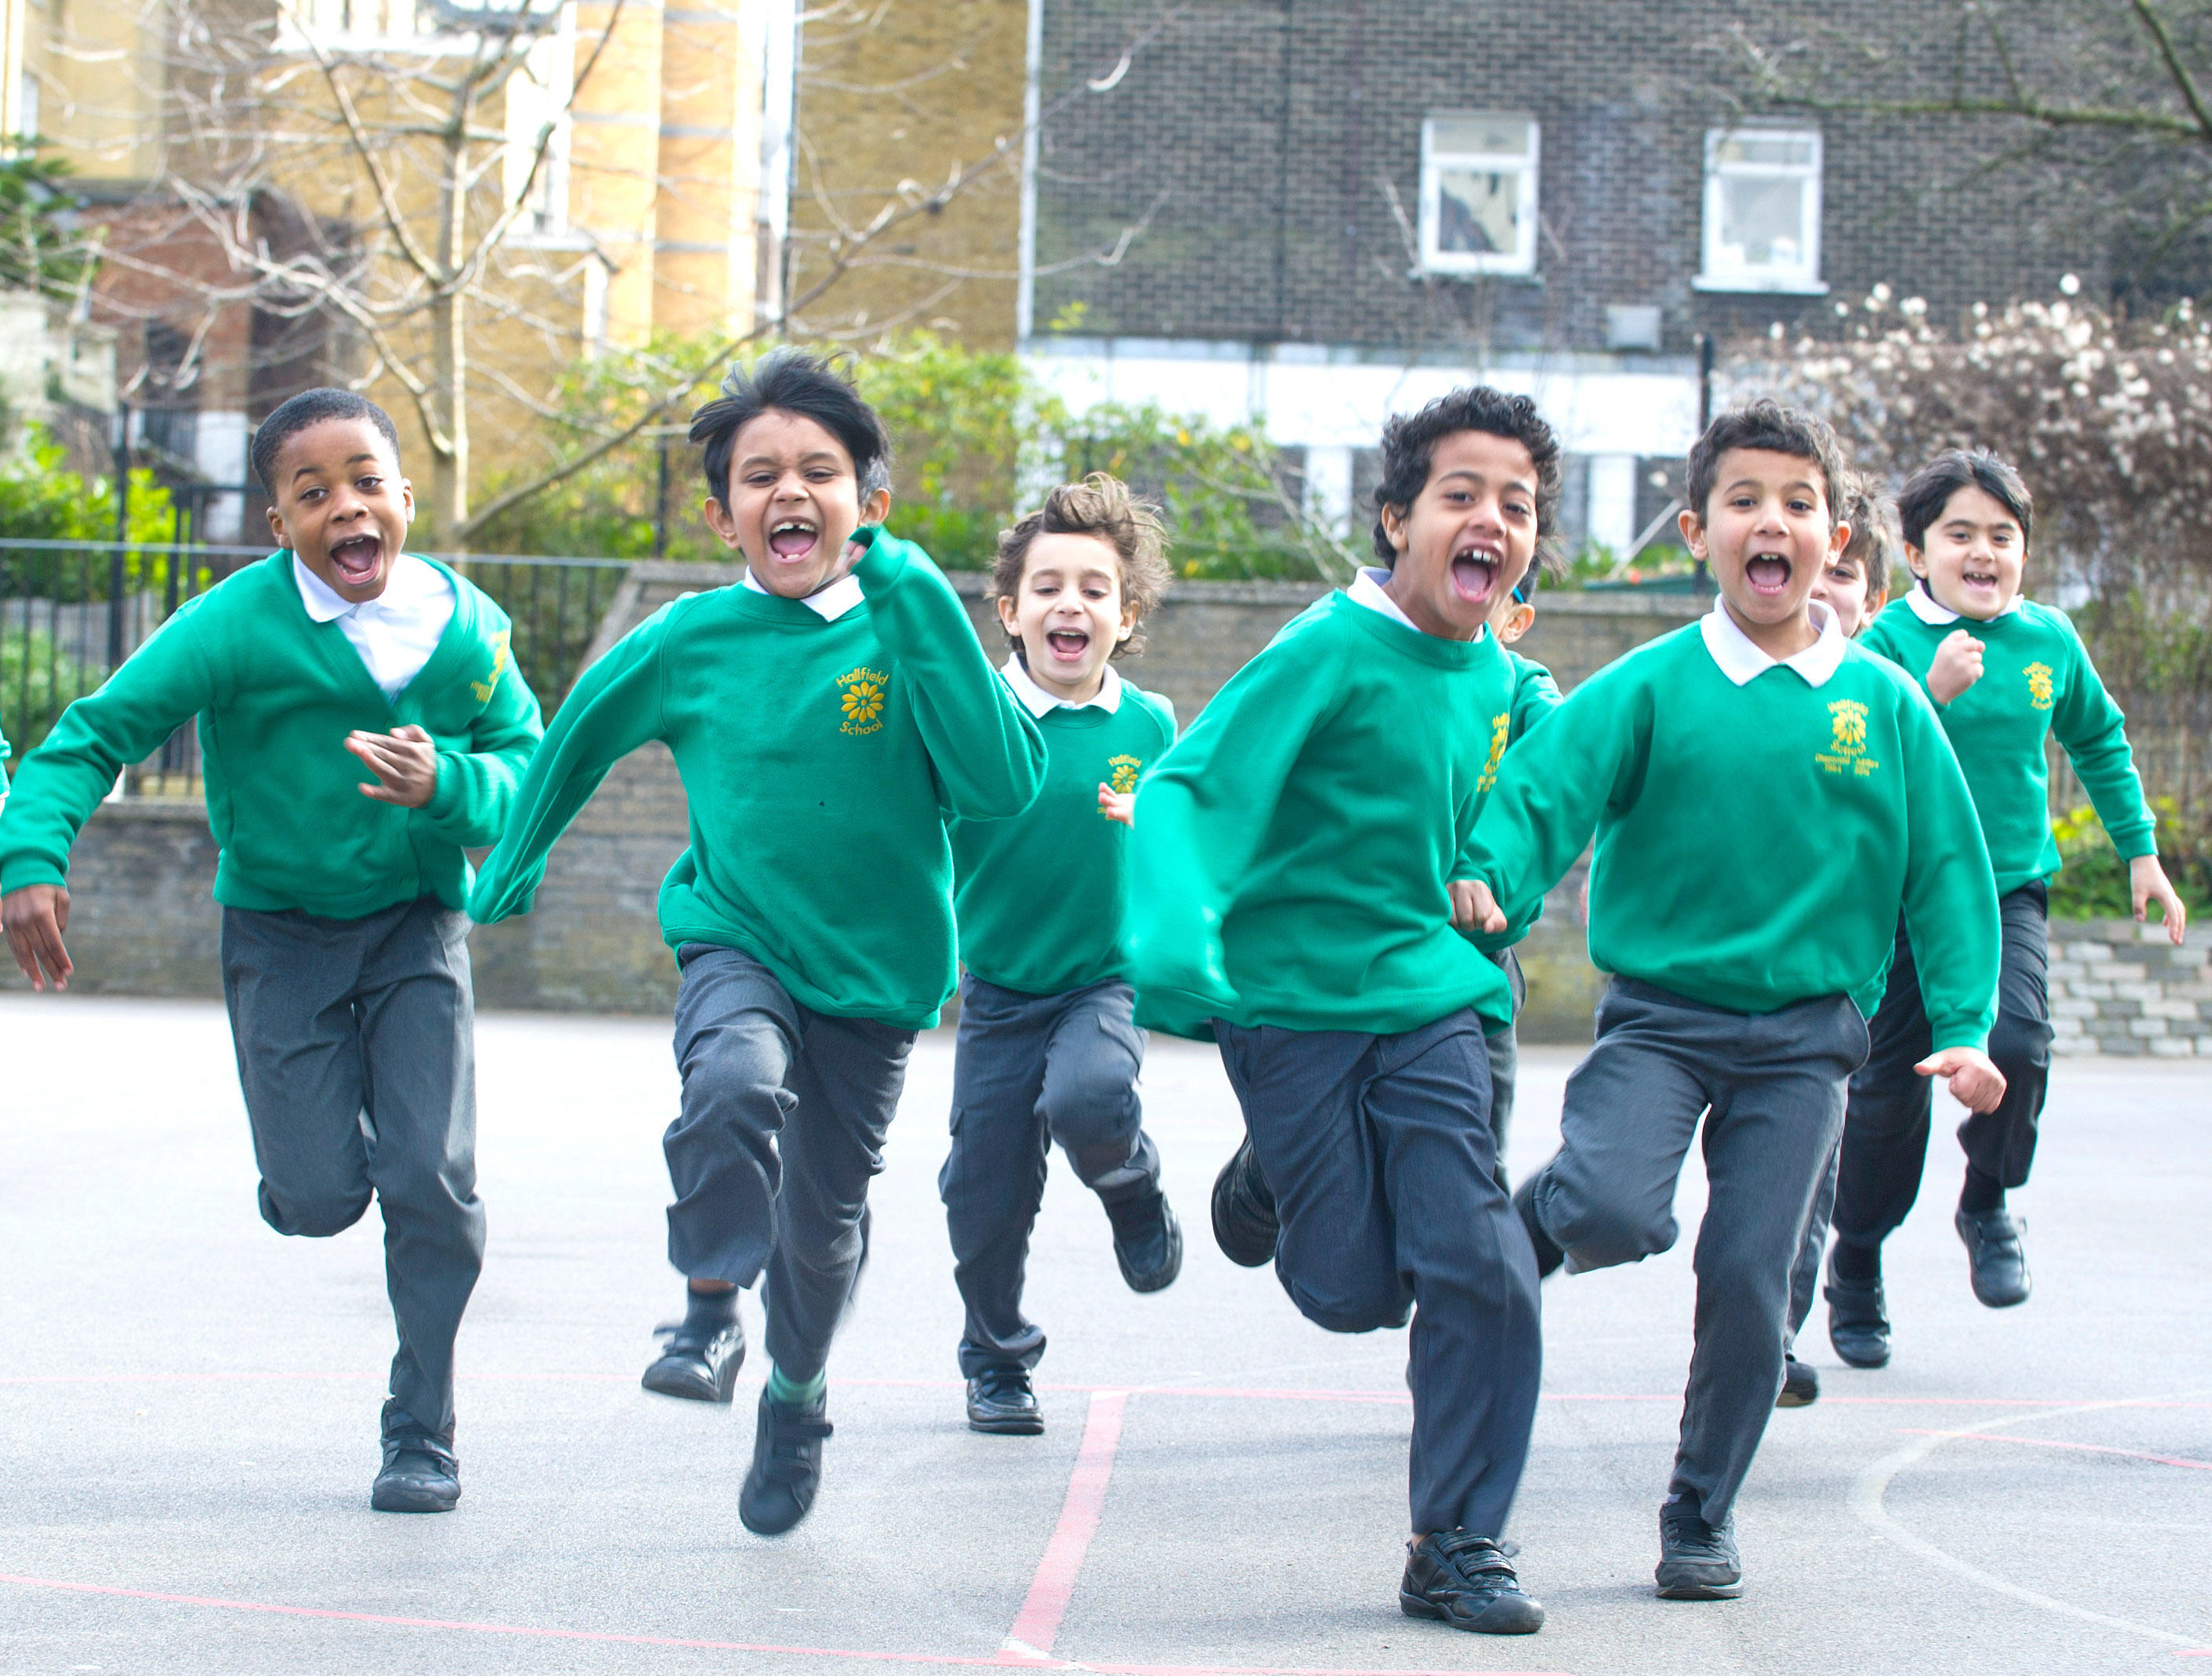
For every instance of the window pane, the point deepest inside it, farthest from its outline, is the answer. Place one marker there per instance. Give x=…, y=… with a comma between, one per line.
x=1483, y=135
x=1770, y=150
x=1762, y=222
x=1477, y=212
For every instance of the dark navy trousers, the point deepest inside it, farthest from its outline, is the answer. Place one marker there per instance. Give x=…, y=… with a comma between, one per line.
x=1028, y=1070
x=781, y=1132
x=1378, y=1150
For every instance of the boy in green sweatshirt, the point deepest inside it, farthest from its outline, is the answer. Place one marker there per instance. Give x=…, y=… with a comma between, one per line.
x=345, y=957
x=825, y=716
x=1855, y=585
x=2006, y=675
x=1743, y=964
x=1296, y=850
x=1048, y=1051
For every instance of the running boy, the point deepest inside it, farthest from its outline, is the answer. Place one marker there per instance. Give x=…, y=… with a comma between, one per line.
x=824, y=717
x=1048, y=1051
x=345, y=958
x=2018, y=676
x=1855, y=585
x=1737, y=947
x=1296, y=848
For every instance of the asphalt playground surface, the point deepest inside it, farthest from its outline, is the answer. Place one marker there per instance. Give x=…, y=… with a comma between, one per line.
x=188, y=1413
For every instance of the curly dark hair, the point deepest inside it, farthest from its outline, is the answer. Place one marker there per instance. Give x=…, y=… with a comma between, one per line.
x=1768, y=426
x=313, y=407
x=1929, y=490
x=1105, y=509
x=1409, y=446
x=789, y=380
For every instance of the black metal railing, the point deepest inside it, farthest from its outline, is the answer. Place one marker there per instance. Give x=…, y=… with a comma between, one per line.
x=70, y=611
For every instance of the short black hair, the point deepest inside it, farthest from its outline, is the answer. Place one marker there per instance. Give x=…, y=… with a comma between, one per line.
x=1929, y=490
x=789, y=380
x=1409, y=446
x=313, y=407
x=1767, y=425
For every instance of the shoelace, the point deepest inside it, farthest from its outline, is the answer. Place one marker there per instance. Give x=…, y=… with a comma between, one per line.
x=1688, y=1530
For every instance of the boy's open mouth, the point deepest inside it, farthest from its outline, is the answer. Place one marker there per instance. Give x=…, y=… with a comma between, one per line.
x=1768, y=574
x=1474, y=573
x=793, y=538
x=1067, y=645
x=357, y=558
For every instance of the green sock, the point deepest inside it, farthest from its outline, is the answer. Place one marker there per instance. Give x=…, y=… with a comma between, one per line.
x=797, y=1394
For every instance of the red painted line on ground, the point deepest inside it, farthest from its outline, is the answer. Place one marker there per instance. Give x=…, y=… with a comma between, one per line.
x=539, y=1632
x=1053, y=1585
x=2056, y=1443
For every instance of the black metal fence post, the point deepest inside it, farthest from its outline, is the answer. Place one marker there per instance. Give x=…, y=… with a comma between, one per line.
x=116, y=560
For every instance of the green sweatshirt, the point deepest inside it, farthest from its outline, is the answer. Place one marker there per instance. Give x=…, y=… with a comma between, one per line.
x=1754, y=843
x=1535, y=696
x=1042, y=898
x=275, y=694
x=820, y=758
x=1294, y=846
x=2036, y=681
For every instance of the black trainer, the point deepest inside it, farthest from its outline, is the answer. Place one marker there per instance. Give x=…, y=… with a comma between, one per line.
x=1000, y=1401
x=787, y=1465
x=705, y=1350
x=420, y=1473
x=1858, y=1319
x=1800, y=1384
x=1696, y=1561
x=1147, y=1241
x=1548, y=1254
x=1466, y=1581
x=1244, y=1222
x=1995, y=1258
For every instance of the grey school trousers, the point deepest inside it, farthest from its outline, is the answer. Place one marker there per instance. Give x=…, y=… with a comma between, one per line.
x=1028, y=1070
x=1769, y=1088
x=1504, y=1045
x=1891, y=1105
x=357, y=1052
x=781, y=1130
x=1378, y=1149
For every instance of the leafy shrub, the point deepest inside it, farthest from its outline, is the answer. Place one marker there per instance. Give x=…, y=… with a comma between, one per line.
x=38, y=682
x=2092, y=884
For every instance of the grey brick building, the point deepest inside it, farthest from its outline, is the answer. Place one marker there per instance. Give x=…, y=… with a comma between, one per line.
x=1341, y=207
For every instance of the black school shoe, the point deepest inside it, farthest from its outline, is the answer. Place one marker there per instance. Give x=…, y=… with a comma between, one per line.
x=699, y=1362
x=1147, y=1241
x=420, y=1473
x=787, y=1465
x=1000, y=1401
x=1800, y=1384
x=1995, y=1258
x=1548, y=1254
x=1696, y=1561
x=1858, y=1319
x=1466, y=1581
x=1245, y=1226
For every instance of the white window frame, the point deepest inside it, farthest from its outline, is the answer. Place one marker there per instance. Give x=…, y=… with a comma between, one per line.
x=544, y=84
x=1521, y=259
x=1803, y=278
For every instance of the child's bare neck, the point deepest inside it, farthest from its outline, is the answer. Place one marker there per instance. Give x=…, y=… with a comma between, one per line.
x=1778, y=640
x=1070, y=692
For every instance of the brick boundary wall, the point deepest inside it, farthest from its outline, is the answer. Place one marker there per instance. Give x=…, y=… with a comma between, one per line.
x=2120, y=988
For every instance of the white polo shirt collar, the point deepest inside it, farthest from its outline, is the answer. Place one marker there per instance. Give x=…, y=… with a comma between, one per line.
x=1040, y=704
x=1924, y=606
x=828, y=603
x=1743, y=661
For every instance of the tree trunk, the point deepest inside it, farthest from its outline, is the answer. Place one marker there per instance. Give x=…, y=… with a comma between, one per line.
x=449, y=345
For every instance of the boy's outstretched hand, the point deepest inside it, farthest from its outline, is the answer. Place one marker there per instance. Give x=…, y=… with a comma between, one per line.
x=1117, y=805
x=1976, y=1082
x=1473, y=908
x=2147, y=882
x=34, y=918
x=1958, y=665
x=404, y=759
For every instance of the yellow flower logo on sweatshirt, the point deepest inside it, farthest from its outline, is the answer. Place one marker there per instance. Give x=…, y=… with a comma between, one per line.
x=484, y=689
x=1847, y=743
x=2039, y=690
x=1501, y=730
x=862, y=699
x=1125, y=770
